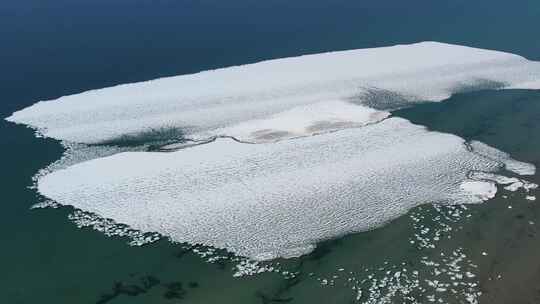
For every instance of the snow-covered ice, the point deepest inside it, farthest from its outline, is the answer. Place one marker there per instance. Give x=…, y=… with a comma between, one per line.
x=383, y=78
x=481, y=190
x=275, y=199
x=510, y=164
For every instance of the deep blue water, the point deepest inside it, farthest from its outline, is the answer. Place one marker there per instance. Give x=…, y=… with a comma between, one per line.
x=58, y=47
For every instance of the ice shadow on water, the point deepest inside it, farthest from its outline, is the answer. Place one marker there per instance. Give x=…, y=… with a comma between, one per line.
x=122, y=288
x=279, y=296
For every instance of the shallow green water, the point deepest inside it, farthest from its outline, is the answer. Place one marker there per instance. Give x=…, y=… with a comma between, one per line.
x=58, y=48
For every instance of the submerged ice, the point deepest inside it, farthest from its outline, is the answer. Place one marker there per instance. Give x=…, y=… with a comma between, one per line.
x=277, y=189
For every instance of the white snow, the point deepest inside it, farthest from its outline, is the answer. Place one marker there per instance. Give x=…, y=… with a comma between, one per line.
x=223, y=98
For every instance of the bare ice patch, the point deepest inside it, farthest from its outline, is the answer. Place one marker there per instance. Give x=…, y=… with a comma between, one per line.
x=303, y=121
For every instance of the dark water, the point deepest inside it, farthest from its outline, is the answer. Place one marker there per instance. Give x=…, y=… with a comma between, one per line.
x=58, y=47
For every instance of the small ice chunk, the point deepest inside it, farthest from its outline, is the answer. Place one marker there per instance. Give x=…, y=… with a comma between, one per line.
x=480, y=190
x=514, y=186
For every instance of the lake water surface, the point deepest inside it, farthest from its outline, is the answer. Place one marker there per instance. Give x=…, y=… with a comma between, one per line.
x=55, y=48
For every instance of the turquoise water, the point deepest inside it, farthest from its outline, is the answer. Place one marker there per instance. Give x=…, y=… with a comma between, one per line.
x=61, y=47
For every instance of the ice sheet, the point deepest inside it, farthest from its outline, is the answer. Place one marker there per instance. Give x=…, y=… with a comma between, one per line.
x=224, y=98
x=275, y=199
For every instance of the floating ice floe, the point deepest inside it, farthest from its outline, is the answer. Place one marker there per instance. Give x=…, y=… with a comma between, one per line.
x=483, y=190
x=276, y=199
x=510, y=164
x=510, y=183
x=286, y=190
x=257, y=100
